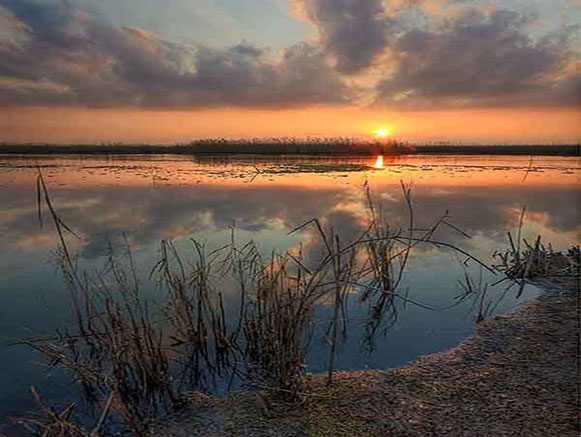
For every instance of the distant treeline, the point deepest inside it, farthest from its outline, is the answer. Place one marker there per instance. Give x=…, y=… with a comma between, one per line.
x=291, y=146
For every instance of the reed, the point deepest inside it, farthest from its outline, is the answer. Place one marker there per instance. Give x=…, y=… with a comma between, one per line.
x=300, y=146
x=312, y=146
x=522, y=261
x=274, y=324
x=51, y=422
x=117, y=346
x=200, y=341
x=537, y=260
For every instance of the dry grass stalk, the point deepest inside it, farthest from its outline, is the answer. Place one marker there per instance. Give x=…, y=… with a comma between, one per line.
x=53, y=423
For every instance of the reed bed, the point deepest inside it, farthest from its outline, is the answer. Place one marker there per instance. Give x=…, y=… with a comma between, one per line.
x=116, y=347
x=537, y=260
x=275, y=323
x=300, y=146
x=310, y=146
x=141, y=356
x=193, y=310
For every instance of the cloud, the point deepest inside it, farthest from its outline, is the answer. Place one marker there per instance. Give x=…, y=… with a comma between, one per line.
x=353, y=32
x=60, y=55
x=393, y=53
x=446, y=53
x=480, y=58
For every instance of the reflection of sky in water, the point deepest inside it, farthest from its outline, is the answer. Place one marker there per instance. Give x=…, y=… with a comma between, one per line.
x=178, y=197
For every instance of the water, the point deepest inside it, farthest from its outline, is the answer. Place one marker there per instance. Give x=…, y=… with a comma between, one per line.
x=146, y=199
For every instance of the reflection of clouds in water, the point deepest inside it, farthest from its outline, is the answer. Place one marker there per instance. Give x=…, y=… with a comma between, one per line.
x=148, y=214
x=496, y=209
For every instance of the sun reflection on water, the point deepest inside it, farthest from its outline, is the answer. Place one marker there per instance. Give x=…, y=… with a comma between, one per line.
x=378, y=162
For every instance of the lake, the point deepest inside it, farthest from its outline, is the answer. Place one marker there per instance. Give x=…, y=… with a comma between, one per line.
x=144, y=199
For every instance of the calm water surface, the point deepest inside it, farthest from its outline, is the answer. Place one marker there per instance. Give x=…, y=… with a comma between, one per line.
x=146, y=199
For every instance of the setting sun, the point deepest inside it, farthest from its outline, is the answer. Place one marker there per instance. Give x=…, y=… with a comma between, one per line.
x=382, y=132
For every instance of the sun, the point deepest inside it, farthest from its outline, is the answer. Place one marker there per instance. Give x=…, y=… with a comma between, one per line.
x=382, y=132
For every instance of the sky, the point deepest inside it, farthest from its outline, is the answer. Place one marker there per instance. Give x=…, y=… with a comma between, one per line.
x=161, y=72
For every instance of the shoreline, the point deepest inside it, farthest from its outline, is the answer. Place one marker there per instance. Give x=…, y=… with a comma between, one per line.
x=516, y=375
x=257, y=149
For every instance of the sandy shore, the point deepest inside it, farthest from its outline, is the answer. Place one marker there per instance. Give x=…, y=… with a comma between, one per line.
x=517, y=376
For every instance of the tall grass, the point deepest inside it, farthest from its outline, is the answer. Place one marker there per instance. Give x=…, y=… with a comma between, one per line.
x=275, y=322
x=117, y=346
x=300, y=146
x=293, y=146
x=522, y=261
x=52, y=422
x=537, y=260
x=194, y=313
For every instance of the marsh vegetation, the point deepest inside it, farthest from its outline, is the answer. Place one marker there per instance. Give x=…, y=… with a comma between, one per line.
x=310, y=146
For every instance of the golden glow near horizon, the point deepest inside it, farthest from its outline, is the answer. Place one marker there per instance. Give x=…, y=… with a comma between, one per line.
x=378, y=162
x=90, y=125
x=382, y=132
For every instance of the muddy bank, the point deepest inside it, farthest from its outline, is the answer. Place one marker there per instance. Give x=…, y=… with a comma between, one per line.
x=518, y=375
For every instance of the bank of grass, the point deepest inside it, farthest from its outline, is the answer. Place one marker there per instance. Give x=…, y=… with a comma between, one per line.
x=221, y=146
x=517, y=376
x=292, y=146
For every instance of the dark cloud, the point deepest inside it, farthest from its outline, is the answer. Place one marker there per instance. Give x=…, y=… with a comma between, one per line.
x=481, y=59
x=352, y=31
x=58, y=55
x=66, y=56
